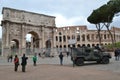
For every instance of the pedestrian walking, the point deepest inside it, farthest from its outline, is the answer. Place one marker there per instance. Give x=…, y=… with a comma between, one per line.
x=11, y=58
x=61, y=58
x=16, y=63
x=67, y=53
x=116, y=54
x=8, y=57
x=39, y=54
x=34, y=59
x=24, y=62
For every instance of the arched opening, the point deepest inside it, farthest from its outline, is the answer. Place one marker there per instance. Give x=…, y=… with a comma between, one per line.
x=78, y=45
x=48, y=48
x=65, y=48
x=88, y=45
x=83, y=45
x=32, y=42
x=14, y=45
x=93, y=45
x=83, y=37
x=73, y=45
x=68, y=46
x=88, y=37
x=56, y=38
x=78, y=37
x=48, y=44
x=64, y=38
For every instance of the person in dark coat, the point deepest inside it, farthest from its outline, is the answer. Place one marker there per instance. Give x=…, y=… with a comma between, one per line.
x=116, y=54
x=67, y=53
x=24, y=62
x=61, y=58
x=16, y=62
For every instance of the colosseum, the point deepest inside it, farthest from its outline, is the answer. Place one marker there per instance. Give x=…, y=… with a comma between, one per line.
x=83, y=36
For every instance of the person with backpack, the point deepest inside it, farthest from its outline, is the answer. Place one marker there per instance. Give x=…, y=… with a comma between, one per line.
x=61, y=58
x=24, y=62
x=16, y=62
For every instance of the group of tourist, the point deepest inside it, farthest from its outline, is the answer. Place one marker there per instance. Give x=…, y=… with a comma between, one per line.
x=117, y=54
x=24, y=59
x=34, y=58
x=23, y=62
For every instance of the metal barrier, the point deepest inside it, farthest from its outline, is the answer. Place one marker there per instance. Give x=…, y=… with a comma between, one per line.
x=48, y=52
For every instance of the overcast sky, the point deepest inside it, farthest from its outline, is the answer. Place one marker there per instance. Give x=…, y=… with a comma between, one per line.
x=67, y=12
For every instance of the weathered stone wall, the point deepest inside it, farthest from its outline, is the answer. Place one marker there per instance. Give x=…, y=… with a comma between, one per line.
x=21, y=16
x=16, y=24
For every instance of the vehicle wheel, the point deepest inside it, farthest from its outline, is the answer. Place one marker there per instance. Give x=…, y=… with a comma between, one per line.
x=105, y=60
x=79, y=62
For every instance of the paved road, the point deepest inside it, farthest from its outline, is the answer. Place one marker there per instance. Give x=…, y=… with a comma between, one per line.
x=112, y=66
x=49, y=69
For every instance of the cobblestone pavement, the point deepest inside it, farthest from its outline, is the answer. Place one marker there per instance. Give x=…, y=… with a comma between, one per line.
x=49, y=69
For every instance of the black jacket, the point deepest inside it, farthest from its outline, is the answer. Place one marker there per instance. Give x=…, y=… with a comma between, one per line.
x=24, y=60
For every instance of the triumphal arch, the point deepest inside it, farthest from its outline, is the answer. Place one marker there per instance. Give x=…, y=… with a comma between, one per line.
x=16, y=24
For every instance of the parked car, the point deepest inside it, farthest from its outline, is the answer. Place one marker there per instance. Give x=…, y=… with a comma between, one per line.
x=79, y=55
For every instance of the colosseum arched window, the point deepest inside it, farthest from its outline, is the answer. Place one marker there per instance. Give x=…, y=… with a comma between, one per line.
x=88, y=37
x=60, y=39
x=73, y=36
x=56, y=38
x=64, y=38
x=78, y=37
x=83, y=37
x=68, y=37
x=104, y=36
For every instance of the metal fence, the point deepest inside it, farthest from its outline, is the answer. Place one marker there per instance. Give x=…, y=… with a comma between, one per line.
x=48, y=52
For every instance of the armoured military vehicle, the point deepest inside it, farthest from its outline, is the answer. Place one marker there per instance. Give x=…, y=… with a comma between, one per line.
x=80, y=55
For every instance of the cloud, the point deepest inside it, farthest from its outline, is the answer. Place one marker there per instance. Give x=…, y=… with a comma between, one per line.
x=62, y=21
x=116, y=21
x=69, y=12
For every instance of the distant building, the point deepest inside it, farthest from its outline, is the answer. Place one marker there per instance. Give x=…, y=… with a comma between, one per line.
x=83, y=36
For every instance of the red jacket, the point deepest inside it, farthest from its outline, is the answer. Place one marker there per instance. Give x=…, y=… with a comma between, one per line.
x=16, y=60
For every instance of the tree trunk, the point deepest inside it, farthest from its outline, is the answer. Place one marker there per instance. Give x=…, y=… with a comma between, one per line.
x=112, y=38
x=98, y=31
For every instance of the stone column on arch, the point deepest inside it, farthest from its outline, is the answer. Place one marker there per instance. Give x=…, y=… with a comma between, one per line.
x=53, y=38
x=43, y=39
x=23, y=40
x=32, y=44
x=6, y=40
x=40, y=37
